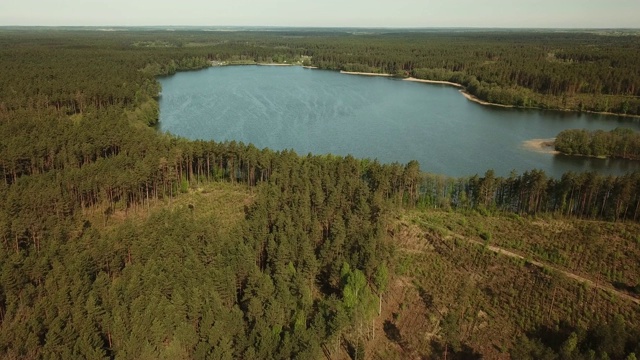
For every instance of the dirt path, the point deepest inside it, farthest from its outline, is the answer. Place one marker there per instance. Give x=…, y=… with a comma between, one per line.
x=571, y=275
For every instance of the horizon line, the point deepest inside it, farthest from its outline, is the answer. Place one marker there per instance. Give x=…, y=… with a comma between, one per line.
x=325, y=27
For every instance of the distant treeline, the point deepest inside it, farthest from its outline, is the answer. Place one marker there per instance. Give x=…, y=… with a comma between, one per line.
x=575, y=71
x=619, y=143
x=558, y=70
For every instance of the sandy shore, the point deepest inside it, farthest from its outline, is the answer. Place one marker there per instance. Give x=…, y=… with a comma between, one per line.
x=475, y=99
x=433, y=82
x=540, y=145
x=273, y=64
x=482, y=102
x=363, y=73
x=462, y=88
x=463, y=91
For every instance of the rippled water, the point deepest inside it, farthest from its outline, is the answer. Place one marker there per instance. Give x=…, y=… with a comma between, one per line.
x=392, y=120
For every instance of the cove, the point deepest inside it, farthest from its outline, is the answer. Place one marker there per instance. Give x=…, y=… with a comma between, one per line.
x=320, y=112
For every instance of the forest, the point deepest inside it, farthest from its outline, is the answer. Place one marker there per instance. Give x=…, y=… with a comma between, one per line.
x=119, y=241
x=620, y=143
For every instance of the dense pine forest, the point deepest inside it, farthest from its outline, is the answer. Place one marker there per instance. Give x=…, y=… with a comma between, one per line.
x=122, y=242
x=620, y=143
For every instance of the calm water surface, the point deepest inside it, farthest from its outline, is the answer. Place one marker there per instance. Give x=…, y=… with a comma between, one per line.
x=315, y=111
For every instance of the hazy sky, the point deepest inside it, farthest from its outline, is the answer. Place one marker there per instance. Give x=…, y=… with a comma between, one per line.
x=356, y=13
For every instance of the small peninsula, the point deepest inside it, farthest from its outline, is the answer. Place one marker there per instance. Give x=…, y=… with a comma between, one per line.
x=620, y=143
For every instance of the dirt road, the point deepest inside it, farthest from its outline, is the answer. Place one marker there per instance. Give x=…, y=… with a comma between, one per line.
x=571, y=275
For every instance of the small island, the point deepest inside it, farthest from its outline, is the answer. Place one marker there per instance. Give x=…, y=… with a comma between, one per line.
x=622, y=143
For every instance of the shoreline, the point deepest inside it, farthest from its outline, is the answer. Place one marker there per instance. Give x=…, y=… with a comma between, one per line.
x=544, y=146
x=462, y=88
x=473, y=98
x=433, y=82
x=595, y=112
x=364, y=73
x=274, y=64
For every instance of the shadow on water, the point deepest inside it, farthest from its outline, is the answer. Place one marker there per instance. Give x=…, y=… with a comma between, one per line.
x=584, y=163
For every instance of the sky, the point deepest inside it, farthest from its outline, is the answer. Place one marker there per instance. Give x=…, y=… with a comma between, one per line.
x=325, y=13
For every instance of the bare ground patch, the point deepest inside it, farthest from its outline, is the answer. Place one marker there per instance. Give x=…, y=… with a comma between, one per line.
x=545, y=146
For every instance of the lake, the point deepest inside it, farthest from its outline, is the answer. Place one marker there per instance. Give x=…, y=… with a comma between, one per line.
x=320, y=112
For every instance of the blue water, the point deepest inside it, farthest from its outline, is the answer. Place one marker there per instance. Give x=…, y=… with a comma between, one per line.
x=319, y=112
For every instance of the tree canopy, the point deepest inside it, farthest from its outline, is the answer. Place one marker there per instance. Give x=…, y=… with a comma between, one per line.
x=99, y=259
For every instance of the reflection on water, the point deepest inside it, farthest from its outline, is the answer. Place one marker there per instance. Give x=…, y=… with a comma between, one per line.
x=386, y=119
x=582, y=163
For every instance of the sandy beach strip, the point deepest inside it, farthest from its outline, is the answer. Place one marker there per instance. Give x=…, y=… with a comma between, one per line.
x=433, y=82
x=482, y=102
x=364, y=73
x=462, y=88
x=540, y=145
x=473, y=98
x=273, y=64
